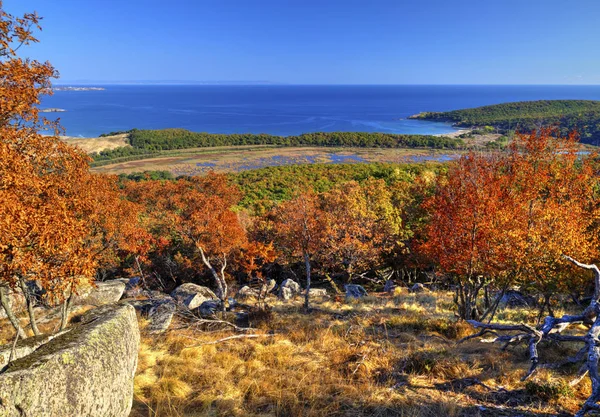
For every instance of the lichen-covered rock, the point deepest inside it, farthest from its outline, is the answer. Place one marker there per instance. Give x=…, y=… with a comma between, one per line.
x=355, y=291
x=87, y=371
x=289, y=289
x=192, y=295
x=106, y=292
x=418, y=287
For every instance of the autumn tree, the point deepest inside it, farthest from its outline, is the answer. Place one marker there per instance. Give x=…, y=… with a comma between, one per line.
x=507, y=218
x=198, y=212
x=361, y=224
x=55, y=226
x=298, y=227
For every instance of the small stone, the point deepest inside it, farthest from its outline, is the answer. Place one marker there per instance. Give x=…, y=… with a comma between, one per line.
x=289, y=289
x=209, y=308
x=247, y=292
x=355, y=291
x=418, y=287
x=318, y=292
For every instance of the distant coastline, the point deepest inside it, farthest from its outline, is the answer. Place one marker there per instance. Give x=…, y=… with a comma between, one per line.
x=52, y=110
x=71, y=88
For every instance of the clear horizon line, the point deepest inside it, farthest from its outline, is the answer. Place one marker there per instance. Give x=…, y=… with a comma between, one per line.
x=258, y=83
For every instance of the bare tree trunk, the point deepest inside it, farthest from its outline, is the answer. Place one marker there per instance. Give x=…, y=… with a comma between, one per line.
x=64, y=317
x=29, y=301
x=307, y=294
x=219, y=279
x=5, y=301
x=333, y=284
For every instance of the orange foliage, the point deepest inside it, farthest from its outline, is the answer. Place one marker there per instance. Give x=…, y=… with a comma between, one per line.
x=509, y=217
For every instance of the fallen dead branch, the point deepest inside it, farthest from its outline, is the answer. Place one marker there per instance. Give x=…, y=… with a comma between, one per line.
x=550, y=330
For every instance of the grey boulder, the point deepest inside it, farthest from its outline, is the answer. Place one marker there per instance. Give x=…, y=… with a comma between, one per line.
x=101, y=293
x=86, y=371
x=289, y=289
x=418, y=287
x=160, y=315
x=355, y=291
x=247, y=292
x=192, y=295
x=209, y=308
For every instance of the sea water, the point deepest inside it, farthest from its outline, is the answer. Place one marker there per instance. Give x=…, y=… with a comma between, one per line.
x=282, y=109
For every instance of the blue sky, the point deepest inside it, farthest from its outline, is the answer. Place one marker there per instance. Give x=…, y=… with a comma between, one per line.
x=321, y=41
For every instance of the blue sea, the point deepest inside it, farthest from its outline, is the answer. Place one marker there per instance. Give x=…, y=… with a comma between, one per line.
x=282, y=109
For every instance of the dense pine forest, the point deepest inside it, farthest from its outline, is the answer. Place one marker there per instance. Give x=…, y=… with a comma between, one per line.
x=582, y=116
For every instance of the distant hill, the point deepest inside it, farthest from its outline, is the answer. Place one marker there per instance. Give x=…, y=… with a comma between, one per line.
x=580, y=115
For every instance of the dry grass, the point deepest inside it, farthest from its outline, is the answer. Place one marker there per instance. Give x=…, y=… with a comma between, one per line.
x=382, y=356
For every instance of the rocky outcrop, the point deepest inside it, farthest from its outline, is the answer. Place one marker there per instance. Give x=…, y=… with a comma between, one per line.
x=133, y=287
x=289, y=289
x=271, y=284
x=101, y=293
x=87, y=371
x=192, y=295
x=355, y=291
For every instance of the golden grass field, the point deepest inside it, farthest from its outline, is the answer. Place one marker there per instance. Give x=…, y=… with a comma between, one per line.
x=382, y=356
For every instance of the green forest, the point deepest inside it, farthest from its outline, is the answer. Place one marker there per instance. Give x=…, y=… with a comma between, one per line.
x=582, y=116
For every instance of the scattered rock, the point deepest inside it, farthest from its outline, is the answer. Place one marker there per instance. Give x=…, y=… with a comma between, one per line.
x=106, y=292
x=390, y=286
x=209, y=308
x=160, y=315
x=192, y=295
x=85, y=371
x=418, y=287
x=133, y=287
x=355, y=291
x=271, y=284
x=247, y=292
x=289, y=289
x=318, y=292
x=513, y=298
